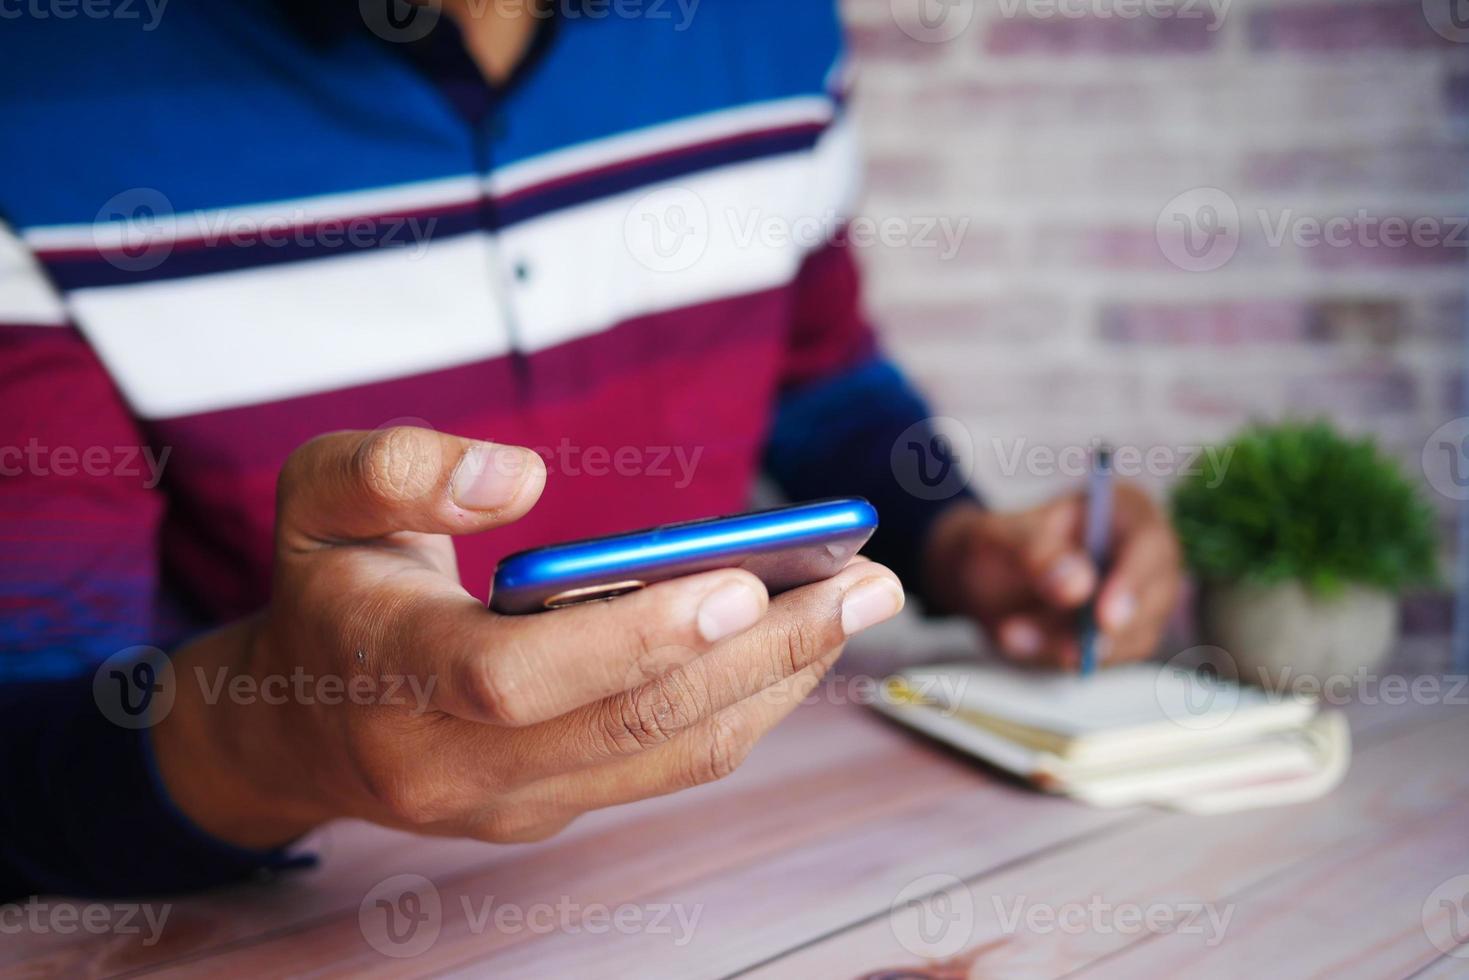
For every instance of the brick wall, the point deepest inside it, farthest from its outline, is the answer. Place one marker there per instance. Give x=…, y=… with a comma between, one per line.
x=1071, y=309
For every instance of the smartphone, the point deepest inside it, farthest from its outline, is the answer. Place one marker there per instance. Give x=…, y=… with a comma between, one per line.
x=784, y=547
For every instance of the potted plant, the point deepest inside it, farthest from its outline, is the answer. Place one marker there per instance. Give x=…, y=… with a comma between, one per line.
x=1301, y=540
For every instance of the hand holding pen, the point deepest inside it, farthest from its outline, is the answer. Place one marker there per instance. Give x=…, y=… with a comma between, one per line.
x=1025, y=576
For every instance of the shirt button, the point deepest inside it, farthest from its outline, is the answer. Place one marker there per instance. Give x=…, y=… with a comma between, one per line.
x=522, y=271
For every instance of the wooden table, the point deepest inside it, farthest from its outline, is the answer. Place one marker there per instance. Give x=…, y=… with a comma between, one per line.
x=791, y=867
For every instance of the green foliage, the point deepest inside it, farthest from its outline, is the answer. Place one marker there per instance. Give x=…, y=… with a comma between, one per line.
x=1298, y=501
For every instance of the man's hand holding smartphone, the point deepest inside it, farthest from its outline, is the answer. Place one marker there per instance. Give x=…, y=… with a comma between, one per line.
x=531, y=720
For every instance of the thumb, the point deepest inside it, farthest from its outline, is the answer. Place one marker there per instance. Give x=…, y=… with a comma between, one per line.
x=347, y=486
x=1052, y=553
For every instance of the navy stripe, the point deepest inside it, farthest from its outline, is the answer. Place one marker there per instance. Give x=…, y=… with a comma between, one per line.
x=79, y=270
x=640, y=174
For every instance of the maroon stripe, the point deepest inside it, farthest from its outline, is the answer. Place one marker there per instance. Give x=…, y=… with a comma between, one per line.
x=698, y=381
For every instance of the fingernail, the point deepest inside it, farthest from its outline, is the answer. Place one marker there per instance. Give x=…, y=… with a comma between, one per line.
x=1021, y=639
x=1120, y=610
x=869, y=603
x=489, y=476
x=1071, y=577
x=728, y=610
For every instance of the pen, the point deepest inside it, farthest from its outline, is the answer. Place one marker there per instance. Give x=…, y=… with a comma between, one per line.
x=1098, y=541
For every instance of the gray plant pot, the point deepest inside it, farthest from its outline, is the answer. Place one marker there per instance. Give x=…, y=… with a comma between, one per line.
x=1278, y=635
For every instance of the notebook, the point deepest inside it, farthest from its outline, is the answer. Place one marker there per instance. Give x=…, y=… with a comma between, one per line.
x=1142, y=733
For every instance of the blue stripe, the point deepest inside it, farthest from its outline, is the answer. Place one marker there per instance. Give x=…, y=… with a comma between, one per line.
x=226, y=103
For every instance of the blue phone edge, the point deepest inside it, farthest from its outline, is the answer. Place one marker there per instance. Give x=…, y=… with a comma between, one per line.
x=736, y=534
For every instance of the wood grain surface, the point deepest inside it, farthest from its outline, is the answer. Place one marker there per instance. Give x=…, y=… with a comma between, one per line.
x=803, y=865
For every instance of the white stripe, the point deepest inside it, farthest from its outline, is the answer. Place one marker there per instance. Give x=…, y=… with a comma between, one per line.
x=26, y=295
x=194, y=345
x=636, y=143
x=750, y=226
x=590, y=269
x=179, y=347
